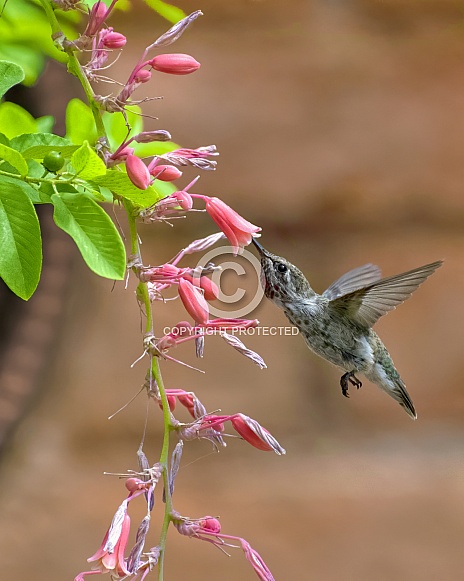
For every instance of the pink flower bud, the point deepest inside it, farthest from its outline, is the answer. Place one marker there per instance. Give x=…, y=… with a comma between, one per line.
x=166, y=173
x=193, y=301
x=142, y=76
x=135, y=484
x=114, y=40
x=166, y=342
x=138, y=172
x=210, y=525
x=97, y=15
x=210, y=288
x=182, y=329
x=185, y=199
x=174, y=64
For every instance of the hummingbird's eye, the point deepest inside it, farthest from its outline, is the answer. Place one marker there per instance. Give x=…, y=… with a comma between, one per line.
x=281, y=267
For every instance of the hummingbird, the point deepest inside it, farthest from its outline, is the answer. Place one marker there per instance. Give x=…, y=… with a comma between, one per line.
x=337, y=324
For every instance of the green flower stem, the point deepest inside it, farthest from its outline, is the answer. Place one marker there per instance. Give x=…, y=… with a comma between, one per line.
x=74, y=67
x=155, y=372
x=54, y=24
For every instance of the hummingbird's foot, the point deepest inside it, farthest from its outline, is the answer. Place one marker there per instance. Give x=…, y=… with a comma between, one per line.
x=349, y=376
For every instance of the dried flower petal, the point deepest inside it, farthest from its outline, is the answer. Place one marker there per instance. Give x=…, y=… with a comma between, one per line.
x=241, y=348
x=176, y=31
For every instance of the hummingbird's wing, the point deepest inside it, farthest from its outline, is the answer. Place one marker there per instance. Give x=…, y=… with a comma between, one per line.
x=366, y=305
x=353, y=280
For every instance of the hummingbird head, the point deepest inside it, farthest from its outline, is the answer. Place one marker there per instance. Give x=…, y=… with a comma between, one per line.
x=282, y=281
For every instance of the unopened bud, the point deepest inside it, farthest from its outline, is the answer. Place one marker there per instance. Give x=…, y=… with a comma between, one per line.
x=142, y=76
x=209, y=288
x=166, y=173
x=149, y=136
x=114, y=40
x=185, y=199
x=96, y=17
x=138, y=172
x=193, y=301
x=210, y=525
x=174, y=64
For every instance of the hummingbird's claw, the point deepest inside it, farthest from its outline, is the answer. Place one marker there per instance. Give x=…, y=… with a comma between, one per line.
x=349, y=376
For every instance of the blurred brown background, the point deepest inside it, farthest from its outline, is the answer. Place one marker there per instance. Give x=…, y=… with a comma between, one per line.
x=341, y=131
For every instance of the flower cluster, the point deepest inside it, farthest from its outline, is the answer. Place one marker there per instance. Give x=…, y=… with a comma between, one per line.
x=195, y=289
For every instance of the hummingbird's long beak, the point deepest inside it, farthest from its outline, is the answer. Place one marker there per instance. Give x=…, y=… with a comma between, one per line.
x=261, y=250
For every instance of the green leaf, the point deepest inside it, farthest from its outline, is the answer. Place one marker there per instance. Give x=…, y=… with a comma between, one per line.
x=37, y=145
x=45, y=124
x=94, y=233
x=10, y=75
x=30, y=192
x=20, y=241
x=86, y=162
x=4, y=139
x=154, y=148
x=14, y=120
x=171, y=13
x=80, y=124
x=14, y=158
x=119, y=183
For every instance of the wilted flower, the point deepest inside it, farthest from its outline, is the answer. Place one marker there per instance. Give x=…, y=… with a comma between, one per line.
x=110, y=556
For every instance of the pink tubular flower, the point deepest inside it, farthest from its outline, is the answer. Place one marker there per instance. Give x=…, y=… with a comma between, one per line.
x=256, y=561
x=244, y=425
x=174, y=64
x=238, y=230
x=110, y=556
x=137, y=172
x=193, y=301
x=166, y=173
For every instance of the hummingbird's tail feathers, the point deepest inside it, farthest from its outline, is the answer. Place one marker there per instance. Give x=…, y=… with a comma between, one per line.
x=398, y=392
x=406, y=401
x=387, y=378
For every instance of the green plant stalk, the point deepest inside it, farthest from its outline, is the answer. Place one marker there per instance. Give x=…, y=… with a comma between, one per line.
x=74, y=67
x=155, y=371
x=54, y=24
